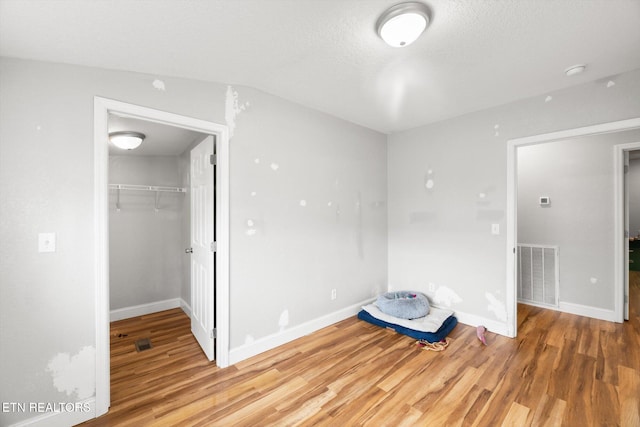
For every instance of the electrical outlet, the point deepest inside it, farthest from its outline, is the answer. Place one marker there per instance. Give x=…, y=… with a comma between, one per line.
x=334, y=294
x=432, y=287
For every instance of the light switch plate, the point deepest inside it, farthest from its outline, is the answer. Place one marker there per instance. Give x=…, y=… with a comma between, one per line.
x=47, y=242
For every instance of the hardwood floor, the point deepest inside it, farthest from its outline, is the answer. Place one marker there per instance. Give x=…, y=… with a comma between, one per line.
x=561, y=370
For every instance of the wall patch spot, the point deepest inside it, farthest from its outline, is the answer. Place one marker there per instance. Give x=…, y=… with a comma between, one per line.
x=422, y=216
x=159, y=85
x=253, y=194
x=256, y=160
x=248, y=339
x=232, y=108
x=593, y=280
x=429, y=184
x=38, y=128
x=446, y=296
x=497, y=307
x=75, y=374
x=275, y=166
x=330, y=204
x=283, y=322
x=303, y=203
x=251, y=228
x=610, y=83
x=548, y=98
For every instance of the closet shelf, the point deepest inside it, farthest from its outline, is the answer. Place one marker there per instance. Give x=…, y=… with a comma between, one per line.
x=155, y=188
x=147, y=188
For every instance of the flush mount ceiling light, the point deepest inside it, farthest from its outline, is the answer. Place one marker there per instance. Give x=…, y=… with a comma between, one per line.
x=575, y=69
x=126, y=140
x=403, y=23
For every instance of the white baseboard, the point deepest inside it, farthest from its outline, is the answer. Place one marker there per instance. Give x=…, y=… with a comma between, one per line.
x=579, y=309
x=587, y=311
x=63, y=418
x=261, y=345
x=185, y=307
x=142, y=309
x=494, y=326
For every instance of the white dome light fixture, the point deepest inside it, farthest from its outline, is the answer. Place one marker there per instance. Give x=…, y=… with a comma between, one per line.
x=575, y=69
x=402, y=24
x=127, y=140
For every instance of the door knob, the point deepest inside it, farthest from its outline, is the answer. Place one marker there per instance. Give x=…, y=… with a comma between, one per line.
x=188, y=251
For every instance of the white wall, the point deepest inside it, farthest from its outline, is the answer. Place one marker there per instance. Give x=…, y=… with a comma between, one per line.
x=290, y=264
x=145, y=247
x=442, y=235
x=576, y=175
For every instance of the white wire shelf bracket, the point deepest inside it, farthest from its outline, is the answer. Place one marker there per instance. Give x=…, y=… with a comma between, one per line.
x=147, y=188
x=154, y=188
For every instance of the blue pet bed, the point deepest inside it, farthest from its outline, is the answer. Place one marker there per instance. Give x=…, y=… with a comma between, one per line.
x=439, y=335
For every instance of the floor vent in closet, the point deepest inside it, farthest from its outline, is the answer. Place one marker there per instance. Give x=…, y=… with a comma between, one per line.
x=143, y=344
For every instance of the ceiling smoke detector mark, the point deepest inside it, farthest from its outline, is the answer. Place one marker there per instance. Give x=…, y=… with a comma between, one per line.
x=548, y=98
x=159, y=85
x=143, y=344
x=610, y=83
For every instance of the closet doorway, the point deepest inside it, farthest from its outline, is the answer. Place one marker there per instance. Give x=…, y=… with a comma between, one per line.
x=617, y=265
x=173, y=192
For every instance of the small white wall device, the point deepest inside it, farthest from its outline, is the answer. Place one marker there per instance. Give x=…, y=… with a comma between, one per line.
x=545, y=201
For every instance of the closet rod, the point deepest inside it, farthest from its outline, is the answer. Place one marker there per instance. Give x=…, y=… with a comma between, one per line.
x=155, y=188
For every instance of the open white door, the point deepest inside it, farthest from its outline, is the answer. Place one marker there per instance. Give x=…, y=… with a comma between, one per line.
x=626, y=235
x=203, y=246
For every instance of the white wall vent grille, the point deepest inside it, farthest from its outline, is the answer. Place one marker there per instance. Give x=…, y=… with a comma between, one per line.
x=538, y=275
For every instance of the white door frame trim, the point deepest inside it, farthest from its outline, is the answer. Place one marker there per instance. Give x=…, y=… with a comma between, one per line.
x=512, y=226
x=619, y=225
x=102, y=108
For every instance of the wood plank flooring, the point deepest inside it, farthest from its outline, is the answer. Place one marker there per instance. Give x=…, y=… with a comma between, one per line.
x=561, y=370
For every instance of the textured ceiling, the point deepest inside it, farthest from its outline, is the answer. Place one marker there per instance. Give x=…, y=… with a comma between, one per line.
x=325, y=54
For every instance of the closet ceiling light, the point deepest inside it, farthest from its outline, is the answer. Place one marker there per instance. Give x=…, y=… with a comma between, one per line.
x=126, y=140
x=575, y=69
x=403, y=23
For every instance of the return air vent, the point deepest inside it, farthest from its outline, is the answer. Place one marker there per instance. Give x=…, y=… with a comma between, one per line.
x=538, y=275
x=143, y=344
